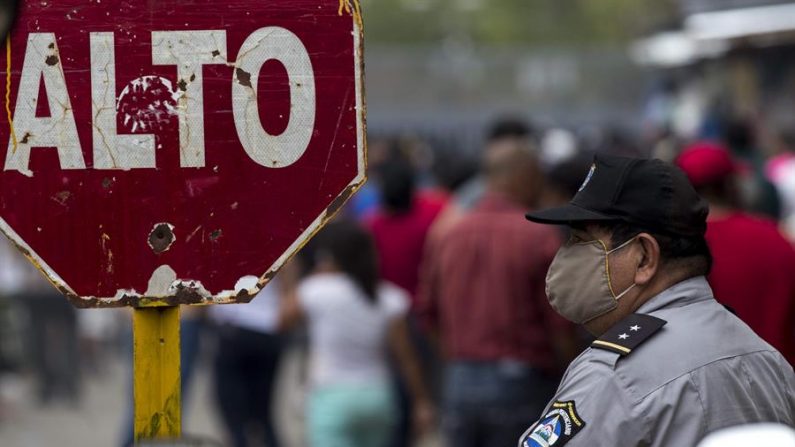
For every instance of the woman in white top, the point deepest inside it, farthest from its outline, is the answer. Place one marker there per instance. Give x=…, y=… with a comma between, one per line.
x=353, y=320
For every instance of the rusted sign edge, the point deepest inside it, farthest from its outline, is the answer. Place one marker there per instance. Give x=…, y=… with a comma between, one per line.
x=34, y=259
x=361, y=142
x=185, y=292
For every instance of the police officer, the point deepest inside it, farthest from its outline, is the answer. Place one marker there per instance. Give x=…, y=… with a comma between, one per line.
x=670, y=363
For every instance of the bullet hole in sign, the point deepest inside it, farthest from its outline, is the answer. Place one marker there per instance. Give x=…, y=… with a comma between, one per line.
x=161, y=237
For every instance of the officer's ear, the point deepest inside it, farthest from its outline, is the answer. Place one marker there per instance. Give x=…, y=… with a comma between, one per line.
x=648, y=259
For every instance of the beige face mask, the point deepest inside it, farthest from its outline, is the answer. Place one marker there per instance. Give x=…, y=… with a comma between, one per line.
x=578, y=281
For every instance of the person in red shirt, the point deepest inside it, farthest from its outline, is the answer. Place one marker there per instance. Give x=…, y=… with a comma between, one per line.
x=400, y=227
x=754, y=264
x=482, y=291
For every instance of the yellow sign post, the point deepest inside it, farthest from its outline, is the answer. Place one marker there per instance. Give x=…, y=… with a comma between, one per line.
x=156, y=354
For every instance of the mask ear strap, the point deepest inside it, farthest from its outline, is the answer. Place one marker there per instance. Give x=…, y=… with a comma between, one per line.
x=627, y=242
x=618, y=297
x=607, y=268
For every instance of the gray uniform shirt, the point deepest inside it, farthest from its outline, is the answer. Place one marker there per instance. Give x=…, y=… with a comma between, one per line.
x=704, y=370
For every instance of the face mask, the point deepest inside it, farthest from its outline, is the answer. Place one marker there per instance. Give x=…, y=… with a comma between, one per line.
x=578, y=281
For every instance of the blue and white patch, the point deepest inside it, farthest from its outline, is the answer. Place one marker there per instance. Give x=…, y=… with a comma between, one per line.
x=588, y=177
x=559, y=425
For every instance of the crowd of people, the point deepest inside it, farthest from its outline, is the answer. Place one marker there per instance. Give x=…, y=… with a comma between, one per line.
x=424, y=301
x=474, y=345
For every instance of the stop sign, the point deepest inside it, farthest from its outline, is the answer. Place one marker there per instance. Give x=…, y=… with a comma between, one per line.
x=177, y=151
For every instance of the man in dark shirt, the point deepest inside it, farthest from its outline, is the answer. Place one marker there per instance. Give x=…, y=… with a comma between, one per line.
x=482, y=290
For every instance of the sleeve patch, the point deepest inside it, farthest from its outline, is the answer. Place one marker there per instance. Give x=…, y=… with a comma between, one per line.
x=557, y=427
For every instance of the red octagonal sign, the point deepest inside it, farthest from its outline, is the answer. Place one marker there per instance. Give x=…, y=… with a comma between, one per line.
x=177, y=151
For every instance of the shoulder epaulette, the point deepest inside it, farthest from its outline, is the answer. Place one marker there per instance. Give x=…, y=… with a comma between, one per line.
x=629, y=333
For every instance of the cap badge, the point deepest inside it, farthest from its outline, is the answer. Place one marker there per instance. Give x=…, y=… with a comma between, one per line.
x=588, y=177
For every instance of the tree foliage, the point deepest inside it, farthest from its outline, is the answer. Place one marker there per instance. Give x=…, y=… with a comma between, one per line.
x=513, y=22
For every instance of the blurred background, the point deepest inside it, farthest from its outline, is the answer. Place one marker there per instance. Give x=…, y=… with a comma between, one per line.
x=475, y=108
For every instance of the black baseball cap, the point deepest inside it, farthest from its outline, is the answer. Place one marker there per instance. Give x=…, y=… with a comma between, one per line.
x=649, y=193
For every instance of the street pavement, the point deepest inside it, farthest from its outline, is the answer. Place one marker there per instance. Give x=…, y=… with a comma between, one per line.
x=98, y=418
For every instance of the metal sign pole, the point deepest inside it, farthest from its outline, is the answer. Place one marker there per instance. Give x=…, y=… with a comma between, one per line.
x=156, y=365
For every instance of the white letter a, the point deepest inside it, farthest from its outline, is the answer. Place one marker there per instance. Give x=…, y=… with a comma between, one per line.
x=59, y=129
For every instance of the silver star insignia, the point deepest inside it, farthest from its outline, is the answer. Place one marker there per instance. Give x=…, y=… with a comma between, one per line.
x=623, y=336
x=634, y=328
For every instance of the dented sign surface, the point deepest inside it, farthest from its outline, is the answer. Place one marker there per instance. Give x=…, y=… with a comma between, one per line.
x=177, y=151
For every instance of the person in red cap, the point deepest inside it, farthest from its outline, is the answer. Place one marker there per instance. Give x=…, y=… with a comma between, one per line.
x=753, y=262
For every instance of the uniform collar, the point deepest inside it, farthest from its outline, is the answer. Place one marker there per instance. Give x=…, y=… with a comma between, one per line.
x=687, y=292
